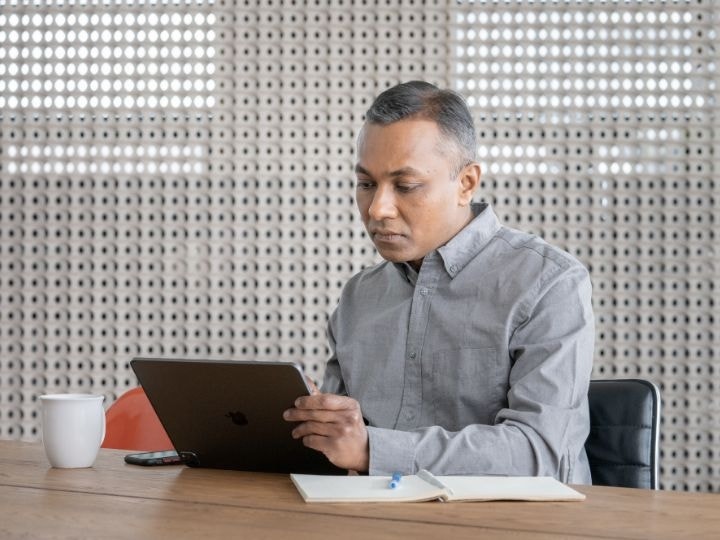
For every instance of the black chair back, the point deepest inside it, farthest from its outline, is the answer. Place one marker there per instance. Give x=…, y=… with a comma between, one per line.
x=622, y=447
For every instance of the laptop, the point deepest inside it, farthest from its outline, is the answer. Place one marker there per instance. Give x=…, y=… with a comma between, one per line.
x=228, y=414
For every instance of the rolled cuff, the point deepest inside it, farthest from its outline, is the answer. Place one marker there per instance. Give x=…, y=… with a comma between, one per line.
x=391, y=451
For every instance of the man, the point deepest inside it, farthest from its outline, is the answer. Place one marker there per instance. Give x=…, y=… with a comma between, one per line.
x=469, y=349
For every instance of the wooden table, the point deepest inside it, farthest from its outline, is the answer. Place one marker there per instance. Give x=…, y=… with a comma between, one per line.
x=115, y=500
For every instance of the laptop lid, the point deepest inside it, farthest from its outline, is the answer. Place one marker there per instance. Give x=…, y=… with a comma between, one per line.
x=228, y=414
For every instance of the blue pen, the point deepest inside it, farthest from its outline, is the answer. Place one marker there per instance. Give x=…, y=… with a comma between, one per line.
x=395, y=482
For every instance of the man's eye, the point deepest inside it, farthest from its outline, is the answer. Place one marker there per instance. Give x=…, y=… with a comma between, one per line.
x=364, y=185
x=405, y=188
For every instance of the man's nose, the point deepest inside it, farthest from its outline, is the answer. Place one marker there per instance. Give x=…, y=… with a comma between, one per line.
x=382, y=205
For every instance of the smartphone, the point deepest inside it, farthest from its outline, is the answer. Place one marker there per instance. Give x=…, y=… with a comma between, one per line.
x=165, y=457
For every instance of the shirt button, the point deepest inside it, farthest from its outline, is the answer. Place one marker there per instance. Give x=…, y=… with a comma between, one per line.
x=423, y=291
x=413, y=354
x=453, y=268
x=409, y=415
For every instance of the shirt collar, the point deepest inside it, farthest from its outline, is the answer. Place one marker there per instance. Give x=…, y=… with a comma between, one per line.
x=466, y=244
x=409, y=272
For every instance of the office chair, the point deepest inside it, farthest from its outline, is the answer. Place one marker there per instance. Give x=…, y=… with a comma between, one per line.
x=622, y=447
x=131, y=424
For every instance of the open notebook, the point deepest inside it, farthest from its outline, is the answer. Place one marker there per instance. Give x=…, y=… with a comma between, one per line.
x=423, y=486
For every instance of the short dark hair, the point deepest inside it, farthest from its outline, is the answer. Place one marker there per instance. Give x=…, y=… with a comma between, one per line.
x=420, y=99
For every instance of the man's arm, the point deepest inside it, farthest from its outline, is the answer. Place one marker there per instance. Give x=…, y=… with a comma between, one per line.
x=333, y=382
x=543, y=428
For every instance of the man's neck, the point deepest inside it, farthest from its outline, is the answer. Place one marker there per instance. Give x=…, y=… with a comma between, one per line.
x=415, y=265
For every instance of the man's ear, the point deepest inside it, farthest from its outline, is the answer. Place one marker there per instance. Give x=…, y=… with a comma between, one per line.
x=468, y=182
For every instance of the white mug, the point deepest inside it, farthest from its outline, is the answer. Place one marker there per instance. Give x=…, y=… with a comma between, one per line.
x=73, y=428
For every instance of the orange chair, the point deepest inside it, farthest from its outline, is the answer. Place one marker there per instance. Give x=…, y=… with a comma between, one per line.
x=131, y=424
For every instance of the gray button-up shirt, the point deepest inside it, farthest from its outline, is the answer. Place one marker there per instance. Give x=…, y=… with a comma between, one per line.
x=478, y=364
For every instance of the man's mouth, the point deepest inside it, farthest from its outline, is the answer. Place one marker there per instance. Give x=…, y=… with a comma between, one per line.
x=386, y=236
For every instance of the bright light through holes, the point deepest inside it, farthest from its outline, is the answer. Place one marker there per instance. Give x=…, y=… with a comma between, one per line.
x=104, y=61
x=105, y=159
x=535, y=75
x=104, y=64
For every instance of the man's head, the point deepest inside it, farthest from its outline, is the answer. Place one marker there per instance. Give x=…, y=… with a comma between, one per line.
x=422, y=100
x=416, y=170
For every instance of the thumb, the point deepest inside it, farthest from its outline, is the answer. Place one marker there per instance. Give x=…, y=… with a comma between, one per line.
x=311, y=385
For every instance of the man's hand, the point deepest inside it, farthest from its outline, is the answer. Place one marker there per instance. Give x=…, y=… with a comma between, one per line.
x=334, y=426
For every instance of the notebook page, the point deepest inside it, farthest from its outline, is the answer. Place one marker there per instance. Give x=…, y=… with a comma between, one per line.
x=509, y=488
x=320, y=488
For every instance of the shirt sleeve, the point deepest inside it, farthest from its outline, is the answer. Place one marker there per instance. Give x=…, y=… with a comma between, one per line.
x=333, y=381
x=543, y=429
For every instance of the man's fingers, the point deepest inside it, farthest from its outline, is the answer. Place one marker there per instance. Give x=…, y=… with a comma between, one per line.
x=312, y=386
x=350, y=417
x=332, y=425
x=341, y=449
x=313, y=428
x=316, y=442
x=325, y=401
x=318, y=415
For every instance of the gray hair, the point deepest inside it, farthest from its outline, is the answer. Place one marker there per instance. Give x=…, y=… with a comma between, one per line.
x=420, y=99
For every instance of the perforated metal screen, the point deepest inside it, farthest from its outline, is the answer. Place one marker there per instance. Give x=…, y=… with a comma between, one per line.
x=176, y=179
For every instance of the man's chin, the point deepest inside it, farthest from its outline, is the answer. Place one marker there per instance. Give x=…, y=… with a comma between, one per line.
x=395, y=256
x=390, y=254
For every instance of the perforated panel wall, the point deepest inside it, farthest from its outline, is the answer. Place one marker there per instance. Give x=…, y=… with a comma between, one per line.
x=176, y=179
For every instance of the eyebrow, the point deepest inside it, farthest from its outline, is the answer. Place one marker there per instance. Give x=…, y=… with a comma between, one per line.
x=399, y=173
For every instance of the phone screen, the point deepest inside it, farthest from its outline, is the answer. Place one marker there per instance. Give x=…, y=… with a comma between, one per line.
x=165, y=457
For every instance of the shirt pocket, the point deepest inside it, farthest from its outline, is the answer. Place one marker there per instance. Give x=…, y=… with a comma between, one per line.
x=467, y=387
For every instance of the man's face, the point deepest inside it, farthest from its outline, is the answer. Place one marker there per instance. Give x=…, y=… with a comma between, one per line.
x=408, y=200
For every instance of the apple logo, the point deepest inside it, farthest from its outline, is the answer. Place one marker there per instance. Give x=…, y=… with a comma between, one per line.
x=238, y=418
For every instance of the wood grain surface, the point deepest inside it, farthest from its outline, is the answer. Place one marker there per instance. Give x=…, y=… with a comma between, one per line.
x=116, y=500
